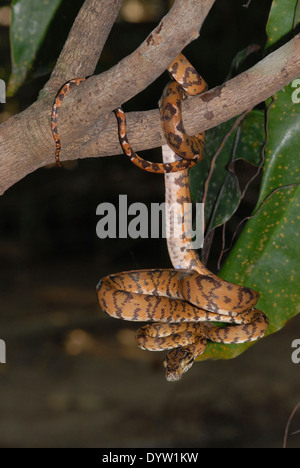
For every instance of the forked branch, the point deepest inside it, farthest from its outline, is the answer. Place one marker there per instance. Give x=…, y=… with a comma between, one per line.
x=87, y=125
x=26, y=142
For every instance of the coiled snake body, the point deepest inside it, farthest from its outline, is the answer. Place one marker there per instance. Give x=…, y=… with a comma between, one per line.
x=183, y=303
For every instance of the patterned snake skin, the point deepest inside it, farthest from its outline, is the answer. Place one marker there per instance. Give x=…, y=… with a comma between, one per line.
x=183, y=303
x=54, y=115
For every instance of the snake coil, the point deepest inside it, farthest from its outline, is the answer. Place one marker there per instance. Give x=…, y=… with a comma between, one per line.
x=185, y=303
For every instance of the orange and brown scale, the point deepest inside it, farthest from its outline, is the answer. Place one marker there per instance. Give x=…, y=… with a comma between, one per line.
x=183, y=303
x=189, y=148
x=66, y=87
x=149, y=166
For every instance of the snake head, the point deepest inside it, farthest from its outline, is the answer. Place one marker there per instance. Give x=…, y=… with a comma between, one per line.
x=177, y=362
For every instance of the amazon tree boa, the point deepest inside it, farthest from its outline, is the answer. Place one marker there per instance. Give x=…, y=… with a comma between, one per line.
x=183, y=304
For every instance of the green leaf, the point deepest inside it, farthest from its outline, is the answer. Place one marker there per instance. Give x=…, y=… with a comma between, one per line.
x=282, y=165
x=252, y=138
x=267, y=254
x=224, y=196
x=282, y=20
x=266, y=257
x=29, y=25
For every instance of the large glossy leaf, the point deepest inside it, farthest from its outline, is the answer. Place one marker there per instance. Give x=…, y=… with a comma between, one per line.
x=266, y=258
x=283, y=18
x=30, y=22
x=267, y=254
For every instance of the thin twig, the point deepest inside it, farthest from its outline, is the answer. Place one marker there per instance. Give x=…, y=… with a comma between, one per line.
x=220, y=195
x=208, y=239
x=223, y=246
x=288, y=424
x=219, y=150
x=207, y=246
x=223, y=251
x=263, y=148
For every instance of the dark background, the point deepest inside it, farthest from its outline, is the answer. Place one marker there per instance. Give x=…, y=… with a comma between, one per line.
x=75, y=377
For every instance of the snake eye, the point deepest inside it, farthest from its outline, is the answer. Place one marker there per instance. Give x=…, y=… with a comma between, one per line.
x=177, y=362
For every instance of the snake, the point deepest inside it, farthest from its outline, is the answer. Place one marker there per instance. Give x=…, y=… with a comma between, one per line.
x=190, y=148
x=187, y=305
x=63, y=91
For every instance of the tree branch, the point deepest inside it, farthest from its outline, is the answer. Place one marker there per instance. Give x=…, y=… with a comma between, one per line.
x=26, y=141
x=85, y=42
x=137, y=71
x=200, y=113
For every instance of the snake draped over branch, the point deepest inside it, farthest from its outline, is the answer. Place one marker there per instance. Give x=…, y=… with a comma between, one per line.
x=184, y=307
